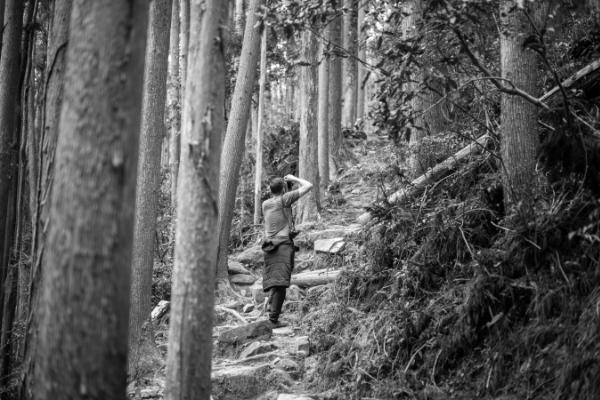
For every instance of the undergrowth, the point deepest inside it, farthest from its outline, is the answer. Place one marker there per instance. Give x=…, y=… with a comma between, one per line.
x=449, y=297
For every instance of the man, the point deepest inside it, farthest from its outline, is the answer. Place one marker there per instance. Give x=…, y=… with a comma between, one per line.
x=278, y=245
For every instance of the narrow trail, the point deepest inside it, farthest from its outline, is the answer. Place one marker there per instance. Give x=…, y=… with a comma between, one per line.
x=250, y=359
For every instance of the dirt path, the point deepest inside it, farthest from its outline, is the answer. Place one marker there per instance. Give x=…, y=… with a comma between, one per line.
x=250, y=359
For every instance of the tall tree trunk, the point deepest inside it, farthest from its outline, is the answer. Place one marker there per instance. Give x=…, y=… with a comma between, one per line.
x=10, y=63
x=518, y=122
x=2, y=11
x=239, y=12
x=148, y=180
x=53, y=93
x=190, y=330
x=323, y=113
x=308, y=165
x=362, y=71
x=174, y=101
x=349, y=66
x=82, y=350
x=410, y=29
x=335, y=99
x=25, y=200
x=233, y=146
x=259, y=128
x=184, y=42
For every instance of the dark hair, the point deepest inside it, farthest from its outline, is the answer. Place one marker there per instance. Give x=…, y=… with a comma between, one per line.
x=276, y=185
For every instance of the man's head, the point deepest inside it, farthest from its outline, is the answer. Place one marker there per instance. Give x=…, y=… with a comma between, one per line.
x=277, y=186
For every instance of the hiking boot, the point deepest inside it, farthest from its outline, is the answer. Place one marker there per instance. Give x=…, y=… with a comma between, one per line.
x=278, y=324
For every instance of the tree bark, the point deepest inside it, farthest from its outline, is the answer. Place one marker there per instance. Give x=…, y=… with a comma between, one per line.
x=349, y=66
x=518, y=122
x=239, y=12
x=174, y=101
x=190, y=331
x=410, y=30
x=52, y=92
x=233, y=146
x=308, y=165
x=323, y=113
x=10, y=63
x=362, y=71
x=82, y=350
x=2, y=11
x=184, y=42
x=148, y=179
x=335, y=99
x=259, y=129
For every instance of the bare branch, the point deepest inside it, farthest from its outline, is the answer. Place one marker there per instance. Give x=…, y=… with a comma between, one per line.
x=512, y=89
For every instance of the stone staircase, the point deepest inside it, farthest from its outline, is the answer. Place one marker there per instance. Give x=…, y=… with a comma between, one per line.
x=251, y=360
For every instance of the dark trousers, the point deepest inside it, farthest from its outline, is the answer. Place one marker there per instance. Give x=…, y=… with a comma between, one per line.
x=276, y=298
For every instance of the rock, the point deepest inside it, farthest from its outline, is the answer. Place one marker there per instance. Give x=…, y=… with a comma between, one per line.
x=239, y=382
x=160, y=310
x=331, y=246
x=248, y=308
x=285, y=331
x=302, y=346
x=364, y=218
x=294, y=397
x=256, y=348
x=241, y=334
x=150, y=392
x=242, y=279
x=258, y=294
x=235, y=267
x=251, y=256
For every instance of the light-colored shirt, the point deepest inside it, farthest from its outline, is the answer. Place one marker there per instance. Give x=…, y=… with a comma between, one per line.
x=277, y=212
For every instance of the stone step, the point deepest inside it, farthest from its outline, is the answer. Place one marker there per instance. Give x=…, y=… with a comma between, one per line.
x=239, y=382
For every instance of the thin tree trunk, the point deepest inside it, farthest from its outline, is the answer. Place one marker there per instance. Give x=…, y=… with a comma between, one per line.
x=190, y=330
x=2, y=11
x=184, y=42
x=362, y=71
x=335, y=99
x=410, y=27
x=308, y=165
x=259, y=129
x=174, y=101
x=239, y=12
x=349, y=66
x=82, y=350
x=52, y=97
x=233, y=146
x=148, y=180
x=518, y=123
x=323, y=113
x=10, y=63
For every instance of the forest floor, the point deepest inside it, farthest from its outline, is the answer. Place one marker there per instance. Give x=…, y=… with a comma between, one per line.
x=441, y=296
x=251, y=360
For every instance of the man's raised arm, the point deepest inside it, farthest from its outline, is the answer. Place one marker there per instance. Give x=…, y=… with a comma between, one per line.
x=305, y=186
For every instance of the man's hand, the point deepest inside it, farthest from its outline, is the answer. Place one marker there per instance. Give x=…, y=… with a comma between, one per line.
x=290, y=178
x=305, y=186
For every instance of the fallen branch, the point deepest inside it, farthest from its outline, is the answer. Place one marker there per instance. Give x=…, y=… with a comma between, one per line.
x=315, y=278
x=573, y=79
x=434, y=174
x=448, y=165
